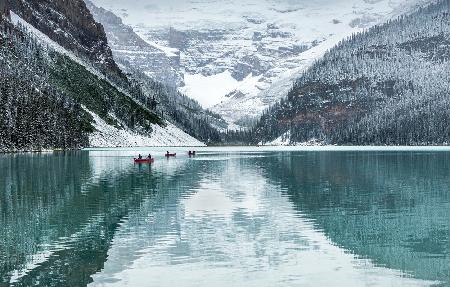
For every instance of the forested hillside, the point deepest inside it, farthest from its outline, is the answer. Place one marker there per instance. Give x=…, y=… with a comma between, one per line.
x=135, y=56
x=177, y=108
x=32, y=115
x=388, y=85
x=61, y=88
x=45, y=96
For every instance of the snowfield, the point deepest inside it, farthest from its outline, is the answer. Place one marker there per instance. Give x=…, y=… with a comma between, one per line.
x=239, y=57
x=214, y=90
x=107, y=136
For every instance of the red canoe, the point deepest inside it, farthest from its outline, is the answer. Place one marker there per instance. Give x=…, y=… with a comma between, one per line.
x=171, y=154
x=144, y=160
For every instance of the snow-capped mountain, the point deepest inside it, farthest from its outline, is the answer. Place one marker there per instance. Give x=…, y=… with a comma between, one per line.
x=160, y=64
x=61, y=88
x=155, y=71
x=239, y=57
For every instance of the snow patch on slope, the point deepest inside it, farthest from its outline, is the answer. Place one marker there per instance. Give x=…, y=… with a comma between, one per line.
x=208, y=90
x=110, y=136
x=170, y=52
x=46, y=41
x=274, y=39
x=106, y=135
x=283, y=140
x=212, y=90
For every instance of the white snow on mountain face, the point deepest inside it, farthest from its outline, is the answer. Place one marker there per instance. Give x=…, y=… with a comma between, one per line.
x=109, y=136
x=239, y=57
x=212, y=90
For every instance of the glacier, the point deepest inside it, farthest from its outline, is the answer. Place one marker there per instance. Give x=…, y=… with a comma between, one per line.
x=239, y=57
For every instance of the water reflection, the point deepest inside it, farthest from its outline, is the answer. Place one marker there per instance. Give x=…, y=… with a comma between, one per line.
x=59, y=214
x=225, y=218
x=237, y=229
x=393, y=208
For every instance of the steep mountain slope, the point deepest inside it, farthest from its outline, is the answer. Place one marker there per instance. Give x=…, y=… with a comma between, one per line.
x=233, y=52
x=389, y=85
x=128, y=46
x=70, y=24
x=52, y=98
x=31, y=115
x=136, y=57
x=46, y=97
x=178, y=109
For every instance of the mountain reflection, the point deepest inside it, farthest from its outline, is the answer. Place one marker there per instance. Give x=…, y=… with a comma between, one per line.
x=59, y=214
x=226, y=218
x=393, y=208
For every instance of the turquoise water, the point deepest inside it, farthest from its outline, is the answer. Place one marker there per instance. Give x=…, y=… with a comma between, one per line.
x=228, y=217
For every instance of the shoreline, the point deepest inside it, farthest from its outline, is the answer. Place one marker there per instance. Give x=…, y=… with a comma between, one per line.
x=311, y=148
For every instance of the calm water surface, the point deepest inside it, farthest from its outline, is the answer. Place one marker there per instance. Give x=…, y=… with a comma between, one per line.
x=226, y=218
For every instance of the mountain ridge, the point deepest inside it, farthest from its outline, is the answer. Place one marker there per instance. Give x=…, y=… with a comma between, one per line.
x=82, y=94
x=70, y=24
x=385, y=86
x=252, y=50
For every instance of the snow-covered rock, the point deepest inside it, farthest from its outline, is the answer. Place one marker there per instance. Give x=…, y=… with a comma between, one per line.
x=238, y=57
x=110, y=136
x=71, y=25
x=285, y=140
x=107, y=135
x=158, y=62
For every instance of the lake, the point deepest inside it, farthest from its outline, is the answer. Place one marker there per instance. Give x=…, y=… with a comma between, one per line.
x=228, y=217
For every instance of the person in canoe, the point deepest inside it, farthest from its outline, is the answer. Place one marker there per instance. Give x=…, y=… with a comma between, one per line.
x=168, y=154
x=149, y=156
x=140, y=156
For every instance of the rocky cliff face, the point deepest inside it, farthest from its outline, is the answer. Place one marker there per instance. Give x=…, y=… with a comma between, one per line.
x=239, y=57
x=126, y=45
x=69, y=23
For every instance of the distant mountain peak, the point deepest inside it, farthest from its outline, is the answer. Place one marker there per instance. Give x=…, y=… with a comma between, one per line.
x=273, y=40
